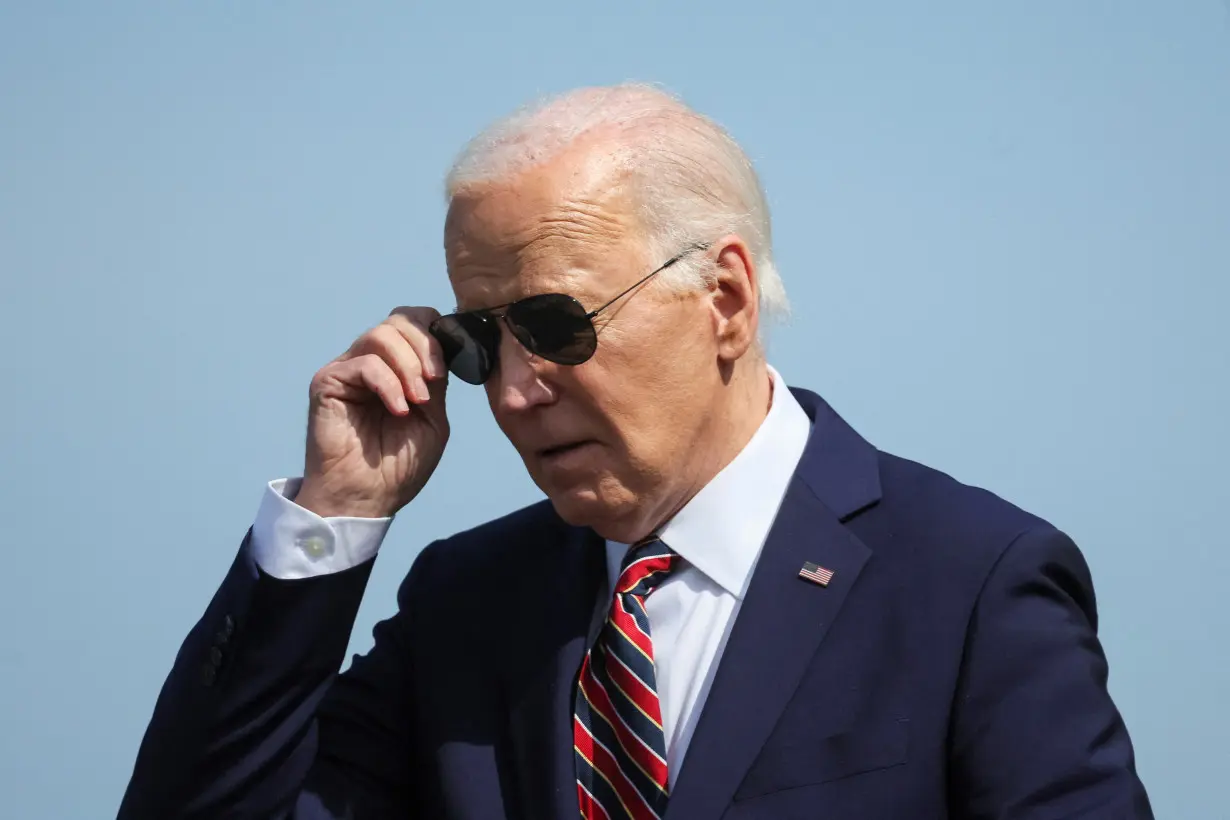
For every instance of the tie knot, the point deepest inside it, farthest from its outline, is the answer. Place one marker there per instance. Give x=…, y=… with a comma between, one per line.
x=646, y=565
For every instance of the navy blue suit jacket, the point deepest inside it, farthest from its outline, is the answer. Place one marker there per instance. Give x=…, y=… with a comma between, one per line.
x=951, y=669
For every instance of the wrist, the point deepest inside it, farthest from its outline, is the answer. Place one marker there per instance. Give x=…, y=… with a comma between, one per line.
x=327, y=504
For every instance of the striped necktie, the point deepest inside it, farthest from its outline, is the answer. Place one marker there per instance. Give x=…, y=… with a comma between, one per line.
x=619, y=746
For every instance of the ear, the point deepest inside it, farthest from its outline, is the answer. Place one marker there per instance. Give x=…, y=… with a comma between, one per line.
x=735, y=302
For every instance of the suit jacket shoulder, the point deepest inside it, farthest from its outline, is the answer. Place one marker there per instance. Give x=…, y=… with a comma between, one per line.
x=957, y=530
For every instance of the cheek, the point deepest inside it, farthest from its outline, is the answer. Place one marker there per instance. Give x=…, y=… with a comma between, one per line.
x=632, y=400
x=663, y=365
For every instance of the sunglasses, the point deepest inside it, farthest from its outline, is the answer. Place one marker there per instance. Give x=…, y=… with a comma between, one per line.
x=552, y=326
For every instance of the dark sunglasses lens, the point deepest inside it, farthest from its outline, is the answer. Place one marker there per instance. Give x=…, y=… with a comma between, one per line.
x=555, y=327
x=469, y=342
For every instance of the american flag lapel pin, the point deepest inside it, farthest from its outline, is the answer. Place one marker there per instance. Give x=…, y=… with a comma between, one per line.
x=816, y=574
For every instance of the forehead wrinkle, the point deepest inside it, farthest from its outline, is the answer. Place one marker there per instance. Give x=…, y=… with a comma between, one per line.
x=488, y=285
x=575, y=225
x=547, y=232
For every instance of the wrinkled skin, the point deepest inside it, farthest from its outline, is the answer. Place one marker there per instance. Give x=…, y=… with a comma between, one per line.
x=619, y=443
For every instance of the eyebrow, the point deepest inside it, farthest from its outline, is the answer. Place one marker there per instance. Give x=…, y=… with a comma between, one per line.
x=493, y=308
x=589, y=314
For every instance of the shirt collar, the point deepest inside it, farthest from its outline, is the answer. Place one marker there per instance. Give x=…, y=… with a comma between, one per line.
x=722, y=529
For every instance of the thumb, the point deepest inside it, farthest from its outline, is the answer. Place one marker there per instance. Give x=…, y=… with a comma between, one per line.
x=434, y=408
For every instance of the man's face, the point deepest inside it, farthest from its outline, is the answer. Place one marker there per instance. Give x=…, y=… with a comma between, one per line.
x=611, y=441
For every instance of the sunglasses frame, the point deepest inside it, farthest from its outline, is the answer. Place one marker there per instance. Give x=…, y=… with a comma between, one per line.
x=499, y=312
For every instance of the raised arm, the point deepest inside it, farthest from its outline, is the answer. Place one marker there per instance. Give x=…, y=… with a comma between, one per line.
x=253, y=720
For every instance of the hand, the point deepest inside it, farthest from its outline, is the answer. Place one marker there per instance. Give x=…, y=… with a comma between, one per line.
x=376, y=420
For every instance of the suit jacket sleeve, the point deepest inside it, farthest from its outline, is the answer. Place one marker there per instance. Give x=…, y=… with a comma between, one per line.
x=254, y=720
x=1035, y=733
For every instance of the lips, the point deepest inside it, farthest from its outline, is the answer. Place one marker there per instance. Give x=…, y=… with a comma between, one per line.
x=562, y=449
x=574, y=455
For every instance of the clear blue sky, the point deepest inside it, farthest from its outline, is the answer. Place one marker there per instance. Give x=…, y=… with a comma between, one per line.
x=1005, y=229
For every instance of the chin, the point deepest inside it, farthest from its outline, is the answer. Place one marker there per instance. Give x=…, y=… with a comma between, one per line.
x=601, y=509
x=577, y=498
x=579, y=506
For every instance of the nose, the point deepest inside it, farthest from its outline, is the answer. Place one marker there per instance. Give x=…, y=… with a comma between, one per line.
x=518, y=384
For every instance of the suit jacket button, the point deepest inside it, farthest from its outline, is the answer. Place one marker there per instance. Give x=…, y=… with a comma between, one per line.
x=215, y=655
x=209, y=673
x=228, y=625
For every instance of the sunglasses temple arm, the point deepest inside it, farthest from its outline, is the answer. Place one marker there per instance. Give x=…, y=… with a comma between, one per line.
x=645, y=279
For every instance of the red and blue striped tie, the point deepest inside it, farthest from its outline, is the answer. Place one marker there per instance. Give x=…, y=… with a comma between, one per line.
x=618, y=742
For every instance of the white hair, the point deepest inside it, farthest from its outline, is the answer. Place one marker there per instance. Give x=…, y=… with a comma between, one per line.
x=693, y=183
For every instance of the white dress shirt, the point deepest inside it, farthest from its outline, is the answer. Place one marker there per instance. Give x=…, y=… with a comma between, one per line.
x=718, y=534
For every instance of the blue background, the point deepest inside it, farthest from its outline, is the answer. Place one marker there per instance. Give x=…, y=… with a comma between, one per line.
x=1005, y=228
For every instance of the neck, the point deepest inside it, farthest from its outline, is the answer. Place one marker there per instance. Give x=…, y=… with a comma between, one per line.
x=745, y=402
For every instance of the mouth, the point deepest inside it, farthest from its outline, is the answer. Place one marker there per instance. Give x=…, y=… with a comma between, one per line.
x=562, y=452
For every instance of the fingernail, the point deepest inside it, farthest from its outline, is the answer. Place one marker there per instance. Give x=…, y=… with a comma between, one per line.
x=420, y=389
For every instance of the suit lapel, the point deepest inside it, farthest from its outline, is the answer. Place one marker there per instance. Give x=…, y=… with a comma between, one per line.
x=540, y=686
x=783, y=618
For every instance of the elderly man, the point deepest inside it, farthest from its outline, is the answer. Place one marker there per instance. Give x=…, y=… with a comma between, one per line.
x=728, y=605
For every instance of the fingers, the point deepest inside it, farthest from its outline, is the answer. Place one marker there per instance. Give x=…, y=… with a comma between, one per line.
x=406, y=346
x=413, y=323
x=391, y=346
x=357, y=379
x=379, y=378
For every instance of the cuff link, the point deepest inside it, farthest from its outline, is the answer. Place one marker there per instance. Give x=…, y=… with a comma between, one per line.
x=315, y=546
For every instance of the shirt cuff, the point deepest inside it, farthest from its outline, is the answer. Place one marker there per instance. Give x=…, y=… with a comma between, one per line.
x=290, y=542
